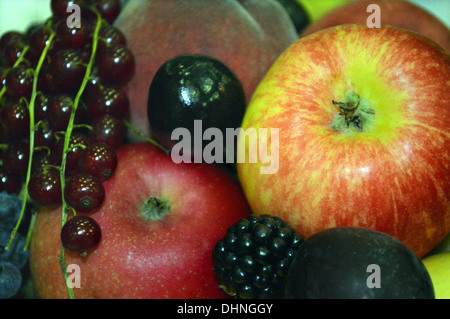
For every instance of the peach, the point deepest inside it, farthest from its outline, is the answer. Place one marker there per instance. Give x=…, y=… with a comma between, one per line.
x=246, y=35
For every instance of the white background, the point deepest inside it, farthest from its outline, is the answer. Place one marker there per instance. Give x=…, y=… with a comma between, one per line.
x=18, y=14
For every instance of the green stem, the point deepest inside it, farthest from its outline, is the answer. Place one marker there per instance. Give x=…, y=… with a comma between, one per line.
x=30, y=229
x=148, y=139
x=32, y=130
x=65, y=208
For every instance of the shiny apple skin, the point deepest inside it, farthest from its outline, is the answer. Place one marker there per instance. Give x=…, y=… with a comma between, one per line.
x=139, y=256
x=394, y=176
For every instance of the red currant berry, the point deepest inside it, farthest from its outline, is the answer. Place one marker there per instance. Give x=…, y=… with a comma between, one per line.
x=107, y=129
x=14, y=51
x=93, y=85
x=109, y=9
x=68, y=69
x=116, y=65
x=60, y=108
x=72, y=38
x=15, y=120
x=39, y=39
x=110, y=36
x=16, y=157
x=77, y=143
x=11, y=37
x=3, y=73
x=59, y=7
x=44, y=135
x=41, y=105
x=84, y=193
x=99, y=160
x=19, y=82
x=81, y=234
x=46, y=82
x=41, y=158
x=108, y=101
x=45, y=187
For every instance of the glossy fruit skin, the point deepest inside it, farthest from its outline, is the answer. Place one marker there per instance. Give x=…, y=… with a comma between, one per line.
x=141, y=256
x=334, y=264
x=393, y=177
x=81, y=234
x=84, y=193
x=99, y=160
x=116, y=65
x=45, y=187
x=15, y=120
x=194, y=87
x=68, y=69
x=107, y=129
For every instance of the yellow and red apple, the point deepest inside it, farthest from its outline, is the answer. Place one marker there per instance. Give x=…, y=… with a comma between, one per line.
x=363, y=139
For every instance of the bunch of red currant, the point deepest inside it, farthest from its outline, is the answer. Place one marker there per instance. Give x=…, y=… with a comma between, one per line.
x=62, y=112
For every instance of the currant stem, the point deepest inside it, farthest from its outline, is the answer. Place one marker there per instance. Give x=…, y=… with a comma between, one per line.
x=30, y=229
x=148, y=139
x=32, y=130
x=65, y=207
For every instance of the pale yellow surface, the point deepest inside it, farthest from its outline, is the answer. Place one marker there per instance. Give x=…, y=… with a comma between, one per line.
x=438, y=267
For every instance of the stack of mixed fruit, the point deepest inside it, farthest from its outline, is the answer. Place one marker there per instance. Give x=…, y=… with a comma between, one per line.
x=122, y=137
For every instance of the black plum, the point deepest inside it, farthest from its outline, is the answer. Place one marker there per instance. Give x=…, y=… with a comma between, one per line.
x=192, y=87
x=356, y=263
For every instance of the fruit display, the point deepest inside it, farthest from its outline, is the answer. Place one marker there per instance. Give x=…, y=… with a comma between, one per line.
x=227, y=149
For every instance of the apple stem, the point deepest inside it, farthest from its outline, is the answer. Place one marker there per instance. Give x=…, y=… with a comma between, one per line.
x=353, y=112
x=348, y=110
x=155, y=208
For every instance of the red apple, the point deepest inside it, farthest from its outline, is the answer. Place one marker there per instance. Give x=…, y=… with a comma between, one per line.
x=146, y=253
x=245, y=35
x=363, y=119
x=397, y=13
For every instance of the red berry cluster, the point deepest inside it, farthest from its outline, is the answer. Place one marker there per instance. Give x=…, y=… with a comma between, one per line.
x=74, y=144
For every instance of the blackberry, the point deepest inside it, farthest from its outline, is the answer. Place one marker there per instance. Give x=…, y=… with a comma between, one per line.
x=253, y=258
